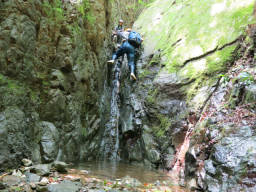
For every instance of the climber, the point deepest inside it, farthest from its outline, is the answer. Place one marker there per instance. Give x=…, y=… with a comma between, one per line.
x=120, y=25
x=128, y=48
x=125, y=34
x=118, y=30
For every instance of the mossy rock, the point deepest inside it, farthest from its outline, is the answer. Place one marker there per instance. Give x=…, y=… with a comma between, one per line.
x=197, y=39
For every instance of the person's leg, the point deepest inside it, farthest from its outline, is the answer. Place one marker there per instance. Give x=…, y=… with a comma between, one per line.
x=116, y=55
x=131, y=64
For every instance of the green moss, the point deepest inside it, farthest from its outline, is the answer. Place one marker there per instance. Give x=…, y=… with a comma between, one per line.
x=85, y=9
x=54, y=10
x=164, y=124
x=192, y=28
x=151, y=98
x=145, y=73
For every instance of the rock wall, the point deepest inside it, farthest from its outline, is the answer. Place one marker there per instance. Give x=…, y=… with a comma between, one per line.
x=198, y=72
x=52, y=74
x=183, y=77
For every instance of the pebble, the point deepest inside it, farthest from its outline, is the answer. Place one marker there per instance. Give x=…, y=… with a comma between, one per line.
x=44, y=181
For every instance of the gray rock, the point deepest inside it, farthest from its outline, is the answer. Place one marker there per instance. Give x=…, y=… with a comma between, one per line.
x=41, y=169
x=44, y=181
x=11, y=180
x=40, y=188
x=65, y=186
x=26, y=162
x=32, y=178
x=154, y=156
x=13, y=141
x=60, y=166
x=212, y=184
x=49, y=141
x=209, y=167
x=2, y=186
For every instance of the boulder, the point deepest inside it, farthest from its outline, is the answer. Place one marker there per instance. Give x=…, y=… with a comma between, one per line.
x=49, y=142
x=13, y=145
x=11, y=180
x=60, y=166
x=41, y=169
x=32, y=178
x=65, y=186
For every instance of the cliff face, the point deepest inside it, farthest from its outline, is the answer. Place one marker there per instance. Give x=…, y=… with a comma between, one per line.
x=196, y=68
x=52, y=73
x=198, y=75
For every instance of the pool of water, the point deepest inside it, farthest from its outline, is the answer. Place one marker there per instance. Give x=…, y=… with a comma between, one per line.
x=117, y=170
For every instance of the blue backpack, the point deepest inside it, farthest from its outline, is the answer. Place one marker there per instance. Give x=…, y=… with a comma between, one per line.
x=135, y=39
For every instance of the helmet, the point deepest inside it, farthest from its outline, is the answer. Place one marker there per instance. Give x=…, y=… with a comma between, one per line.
x=121, y=21
x=128, y=30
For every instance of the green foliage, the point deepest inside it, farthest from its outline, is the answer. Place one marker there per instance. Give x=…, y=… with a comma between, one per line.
x=54, y=10
x=225, y=77
x=85, y=9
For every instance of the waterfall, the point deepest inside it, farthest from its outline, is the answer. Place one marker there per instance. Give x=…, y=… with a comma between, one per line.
x=110, y=142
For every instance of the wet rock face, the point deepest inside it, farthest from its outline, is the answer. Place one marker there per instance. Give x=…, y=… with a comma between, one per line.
x=13, y=147
x=52, y=71
x=147, y=108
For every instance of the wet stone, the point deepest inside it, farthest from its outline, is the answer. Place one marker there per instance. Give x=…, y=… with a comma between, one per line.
x=41, y=169
x=26, y=162
x=65, y=186
x=11, y=180
x=60, y=166
x=2, y=186
x=31, y=177
x=40, y=188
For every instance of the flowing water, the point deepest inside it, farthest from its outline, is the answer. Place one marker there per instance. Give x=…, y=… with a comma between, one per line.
x=110, y=142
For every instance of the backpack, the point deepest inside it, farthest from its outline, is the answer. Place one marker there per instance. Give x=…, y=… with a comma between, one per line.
x=135, y=39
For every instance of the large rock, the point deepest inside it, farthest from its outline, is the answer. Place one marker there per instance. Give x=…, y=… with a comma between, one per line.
x=65, y=186
x=32, y=178
x=60, y=166
x=11, y=180
x=49, y=142
x=13, y=141
x=41, y=169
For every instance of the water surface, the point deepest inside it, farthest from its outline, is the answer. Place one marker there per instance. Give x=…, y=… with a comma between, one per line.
x=117, y=170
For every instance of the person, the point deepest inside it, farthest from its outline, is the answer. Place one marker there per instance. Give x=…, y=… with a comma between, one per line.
x=116, y=35
x=127, y=48
x=120, y=25
x=125, y=34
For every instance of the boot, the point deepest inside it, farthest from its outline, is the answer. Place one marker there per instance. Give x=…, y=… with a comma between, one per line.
x=111, y=61
x=133, y=76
